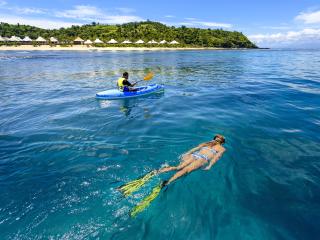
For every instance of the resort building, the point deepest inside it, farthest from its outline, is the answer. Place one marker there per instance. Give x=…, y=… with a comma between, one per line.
x=98, y=41
x=78, y=41
x=174, y=42
x=88, y=42
x=126, y=41
x=112, y=41
x=163, y=42
x=26, y=40
x=54, y=40
x=152, y=42
x=41, y=40
x=139, y=41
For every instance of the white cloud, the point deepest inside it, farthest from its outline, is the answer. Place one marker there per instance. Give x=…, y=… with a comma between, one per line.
x=29, y=10
x=213, y=24
x=190, y=19
x=287, y=37
x=80, y=11
x=42, y=23
x=125, y=10
x=2, y=3
x=309, y=17
x=93, y=14
x=169, y=16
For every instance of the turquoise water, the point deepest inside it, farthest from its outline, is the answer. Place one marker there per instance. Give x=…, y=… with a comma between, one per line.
x=63, y=153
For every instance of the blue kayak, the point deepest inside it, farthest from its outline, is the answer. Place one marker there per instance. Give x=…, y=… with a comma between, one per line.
x=117, y=94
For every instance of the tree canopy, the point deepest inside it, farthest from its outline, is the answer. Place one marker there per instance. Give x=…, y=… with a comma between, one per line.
x=133, y=31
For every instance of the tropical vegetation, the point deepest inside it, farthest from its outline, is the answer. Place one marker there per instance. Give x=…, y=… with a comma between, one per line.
x=148, y=30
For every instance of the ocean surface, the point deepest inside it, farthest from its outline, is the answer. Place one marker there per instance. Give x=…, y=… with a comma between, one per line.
x=63, y=153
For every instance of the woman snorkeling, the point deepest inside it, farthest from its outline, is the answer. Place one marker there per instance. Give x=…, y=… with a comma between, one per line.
x=204, y=155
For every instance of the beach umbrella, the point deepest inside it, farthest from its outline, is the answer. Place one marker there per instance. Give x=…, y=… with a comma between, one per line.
x=152, y=42
x=174, y=42
x=27, y=39
x=98, y=41
x=139, y=41
x=126, y=41
x=40, y=39
x=53, y=40
x=88, y=42
x=112, y=41
x=163, y=42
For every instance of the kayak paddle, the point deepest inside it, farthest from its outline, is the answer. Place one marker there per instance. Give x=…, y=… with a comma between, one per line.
x=148, y=77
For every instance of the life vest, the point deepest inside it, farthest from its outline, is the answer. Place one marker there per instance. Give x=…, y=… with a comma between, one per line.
x=120, y=82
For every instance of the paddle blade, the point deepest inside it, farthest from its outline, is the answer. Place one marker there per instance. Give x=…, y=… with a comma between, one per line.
x=148, y=76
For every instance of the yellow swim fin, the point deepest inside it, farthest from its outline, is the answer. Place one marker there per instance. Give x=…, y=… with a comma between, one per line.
x=146, y=201
x=133, y=186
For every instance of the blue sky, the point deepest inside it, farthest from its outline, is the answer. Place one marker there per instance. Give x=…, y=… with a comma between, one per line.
x=270, y=23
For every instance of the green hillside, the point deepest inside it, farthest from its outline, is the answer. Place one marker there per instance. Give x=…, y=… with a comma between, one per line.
x=195, y=37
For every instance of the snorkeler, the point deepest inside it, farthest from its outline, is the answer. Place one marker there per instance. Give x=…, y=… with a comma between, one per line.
x=204, y=155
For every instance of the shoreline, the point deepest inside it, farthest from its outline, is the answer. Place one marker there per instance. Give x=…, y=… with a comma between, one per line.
x=85, y=48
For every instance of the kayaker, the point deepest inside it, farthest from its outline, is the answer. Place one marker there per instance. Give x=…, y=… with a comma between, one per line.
x=124, y=85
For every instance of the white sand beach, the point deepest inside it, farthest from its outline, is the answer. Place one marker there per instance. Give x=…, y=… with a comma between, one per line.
x=89, y=48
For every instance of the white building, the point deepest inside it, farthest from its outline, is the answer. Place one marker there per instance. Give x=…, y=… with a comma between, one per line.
x=139, y=41
x=174, y=42
x=112, y=41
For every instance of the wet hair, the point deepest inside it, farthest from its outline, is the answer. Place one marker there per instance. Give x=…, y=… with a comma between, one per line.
x=125, y=74
x=219, y=139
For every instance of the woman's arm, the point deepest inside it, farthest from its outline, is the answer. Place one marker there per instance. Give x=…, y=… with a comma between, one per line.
x=196, y=148
x=215, y=159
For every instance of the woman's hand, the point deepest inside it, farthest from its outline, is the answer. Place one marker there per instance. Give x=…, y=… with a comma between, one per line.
x=207, y=168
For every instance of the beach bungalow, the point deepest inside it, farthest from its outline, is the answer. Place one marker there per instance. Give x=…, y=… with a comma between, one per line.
x=26, y=40
x=19, y=39
x=88, y=42
x=13, y=39
x=173, y=42
x=152, y=42
x=126, y=42
x=78, y=41
x=53, y=40
x=2, y=39
x=163, y=42
x=112, y=41
x=139, y=41
x=98, y=41
x=41, y=40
